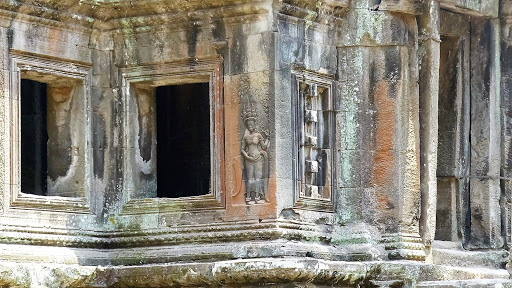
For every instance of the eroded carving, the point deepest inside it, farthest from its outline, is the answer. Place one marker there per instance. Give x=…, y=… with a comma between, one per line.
x=255, y=158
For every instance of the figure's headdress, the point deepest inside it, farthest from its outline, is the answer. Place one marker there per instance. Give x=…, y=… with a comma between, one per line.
x=249, y=113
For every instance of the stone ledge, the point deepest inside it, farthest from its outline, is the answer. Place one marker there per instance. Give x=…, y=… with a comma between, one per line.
x=222, y=251
x=467, y=283
x=246, y=272
x=452, y=254
x=185, y=234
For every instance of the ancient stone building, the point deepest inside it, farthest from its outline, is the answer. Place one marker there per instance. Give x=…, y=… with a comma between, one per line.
x=303, y=143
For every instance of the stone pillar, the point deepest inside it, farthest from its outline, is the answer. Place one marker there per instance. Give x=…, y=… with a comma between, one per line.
x=380, y=101
x=429, y=39
x=484, y=206
x=5, y=43
x=105, y=151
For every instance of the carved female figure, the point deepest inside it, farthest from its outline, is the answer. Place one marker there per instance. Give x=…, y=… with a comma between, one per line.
x=254, y=146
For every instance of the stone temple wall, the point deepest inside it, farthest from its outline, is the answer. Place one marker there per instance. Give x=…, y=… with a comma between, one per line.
x=290, y=143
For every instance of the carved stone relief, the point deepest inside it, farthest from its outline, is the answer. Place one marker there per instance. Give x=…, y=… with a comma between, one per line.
x=254, y=146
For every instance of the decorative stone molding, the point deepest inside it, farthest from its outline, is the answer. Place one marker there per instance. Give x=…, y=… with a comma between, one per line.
x=157, y=205
x=486, y=8
x=327, y=12
x=209, y=233
x=413, y=7
x=48, y=16
x=128, y=15
x=404, y=247
x=21, y=60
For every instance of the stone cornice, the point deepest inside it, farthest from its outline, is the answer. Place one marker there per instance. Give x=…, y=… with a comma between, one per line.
x=481, y=8
x=124, y=14
x=48, y=15
x=238, y=13
x=105, y=15
x=506, y=9
x=326, y=12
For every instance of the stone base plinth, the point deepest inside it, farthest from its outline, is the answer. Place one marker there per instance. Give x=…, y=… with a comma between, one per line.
x=289, y=271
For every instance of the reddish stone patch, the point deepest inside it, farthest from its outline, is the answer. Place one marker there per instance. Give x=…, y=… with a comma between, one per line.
x=384, y=134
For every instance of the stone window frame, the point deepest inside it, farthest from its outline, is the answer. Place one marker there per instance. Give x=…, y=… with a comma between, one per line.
x=176, y=73
x=299, y=74
x=16, y=199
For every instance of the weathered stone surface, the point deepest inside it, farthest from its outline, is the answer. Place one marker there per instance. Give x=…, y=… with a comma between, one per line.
x=466, y=283
x=485, y=138
x=505, y=112
x=343, y=139
x=294, y=272
x=487, y=8
x=453, y=254
x=428, y=27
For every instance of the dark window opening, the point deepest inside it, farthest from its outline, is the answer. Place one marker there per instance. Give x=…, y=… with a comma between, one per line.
x=183, y=140
x=34, y=137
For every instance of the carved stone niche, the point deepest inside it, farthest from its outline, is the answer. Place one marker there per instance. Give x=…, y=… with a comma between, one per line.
x=314, y=138
x=63, y=154
x=144, y=89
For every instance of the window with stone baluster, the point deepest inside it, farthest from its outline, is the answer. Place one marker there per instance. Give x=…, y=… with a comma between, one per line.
x=314, y=138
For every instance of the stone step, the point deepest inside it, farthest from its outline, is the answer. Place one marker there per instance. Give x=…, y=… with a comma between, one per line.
x=473, y=283
x=452, y=254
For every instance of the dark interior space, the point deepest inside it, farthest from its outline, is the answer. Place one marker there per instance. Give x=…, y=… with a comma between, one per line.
x=446, y=181
x=451, y=134
x=34, y=137
x=183, y=140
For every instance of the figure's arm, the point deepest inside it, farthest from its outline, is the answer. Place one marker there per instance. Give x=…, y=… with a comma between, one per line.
x=242, y=150
x=267, y=143
x=264, y=142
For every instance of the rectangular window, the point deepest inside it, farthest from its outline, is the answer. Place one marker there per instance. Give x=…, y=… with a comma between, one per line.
x=48, y=134
x=183, y=140
x=315, y=147
x=48, y=146
x=34, y=137
x=314, y=140
x=173, y=131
